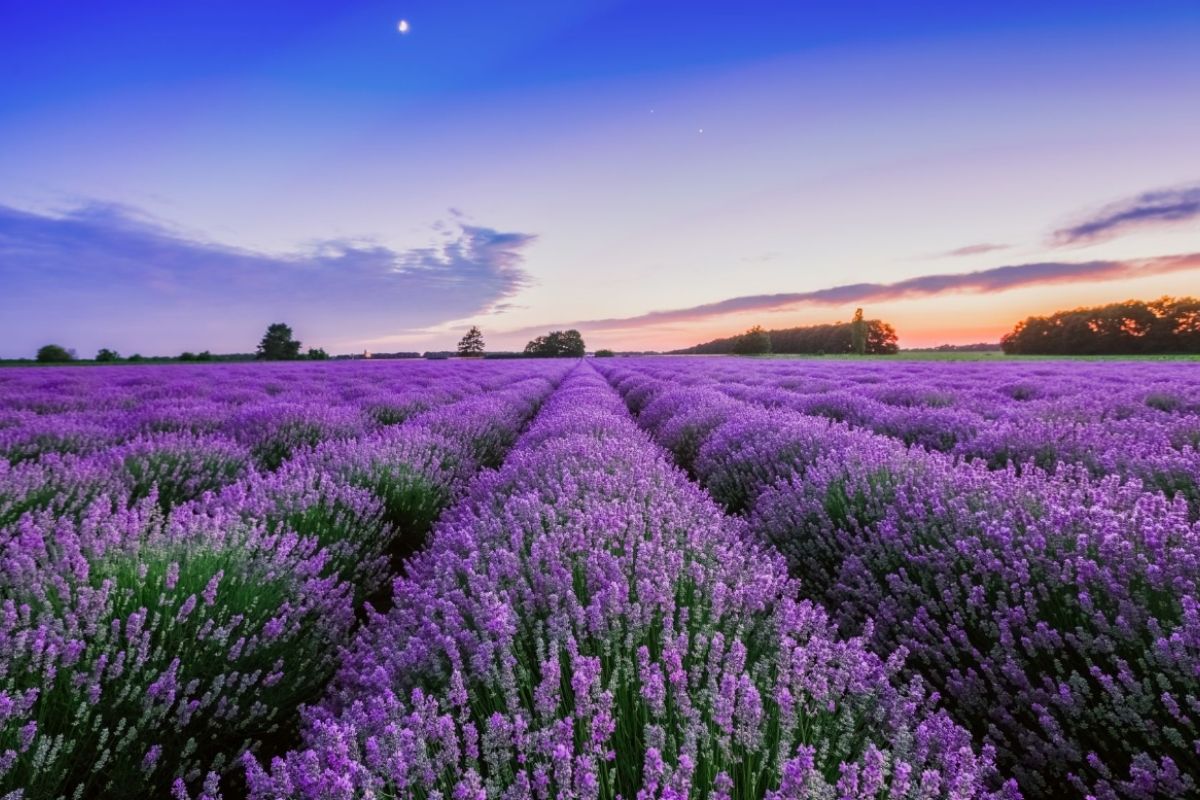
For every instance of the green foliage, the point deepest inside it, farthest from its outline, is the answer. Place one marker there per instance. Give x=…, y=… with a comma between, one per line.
x=881, y=339
x=317, y=354
x=204, y=355
x=754, y=342
x=53, y=354
x=290, y=436
x=390, y=413
x=187, y=355
x=1164, y=401
x=411, y=500
x=1134, y=327
x=471, y=343
x=605, y=353
x=858, y=333
x=135, y=357
x=412, y=493
x=106, y=355
x=277, y=343
x=557, y=344
x=178, y=475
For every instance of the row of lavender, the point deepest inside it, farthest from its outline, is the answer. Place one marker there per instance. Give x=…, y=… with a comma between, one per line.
x=268, y=409
x=586, y=623
x=168, y=603
x=1140, y=419
x=1058, y=615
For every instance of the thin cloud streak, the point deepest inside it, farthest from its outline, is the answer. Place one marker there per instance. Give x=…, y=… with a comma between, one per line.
x=974, y=250
x=1160, y=207
x=997, y=279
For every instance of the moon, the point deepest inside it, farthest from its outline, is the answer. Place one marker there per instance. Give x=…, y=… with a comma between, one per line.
x=402, y=26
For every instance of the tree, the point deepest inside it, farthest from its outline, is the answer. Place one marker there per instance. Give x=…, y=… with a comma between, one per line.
x=557, y=344
x=604, y=353
x=277, y=343
x=881, y=339
x=187, y=355
x=471, y=344
x=570, y=343
x=317, y=354
x=107, y=355
x=539, y=347
x=53, y=354
x=858, y=332
x=754, y=342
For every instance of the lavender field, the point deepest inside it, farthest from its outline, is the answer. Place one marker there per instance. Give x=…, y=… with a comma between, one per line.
x=633, y=577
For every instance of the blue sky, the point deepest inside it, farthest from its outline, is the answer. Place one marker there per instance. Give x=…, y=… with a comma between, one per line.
x=176, y=176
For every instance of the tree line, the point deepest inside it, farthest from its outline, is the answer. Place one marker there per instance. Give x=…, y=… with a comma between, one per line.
x=860, y=335
x=1133, y=327
x=280, y=344
x=277, y=344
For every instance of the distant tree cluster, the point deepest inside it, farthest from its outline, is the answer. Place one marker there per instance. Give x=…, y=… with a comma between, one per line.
x=866, y=336
x=54, y=354
x=754, y=342
x=278, y=344
x=1134, y=327
x=557, y=344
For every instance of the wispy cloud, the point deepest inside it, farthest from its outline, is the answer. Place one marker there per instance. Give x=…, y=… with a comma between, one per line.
x=1163, y=206
x=115, y=270
x=997, y=279
x=973, y=250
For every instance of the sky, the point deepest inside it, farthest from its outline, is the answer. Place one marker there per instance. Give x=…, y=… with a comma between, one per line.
x=176, y=176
